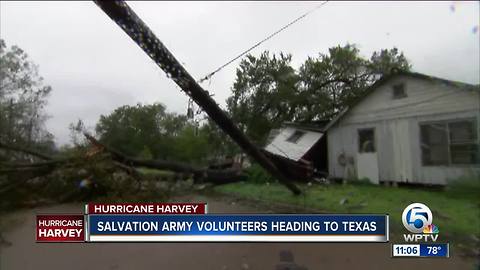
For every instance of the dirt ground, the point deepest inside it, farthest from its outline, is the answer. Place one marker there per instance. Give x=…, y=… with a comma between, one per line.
x=24, y=253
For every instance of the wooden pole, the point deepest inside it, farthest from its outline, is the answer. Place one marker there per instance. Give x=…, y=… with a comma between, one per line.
x=139, y=32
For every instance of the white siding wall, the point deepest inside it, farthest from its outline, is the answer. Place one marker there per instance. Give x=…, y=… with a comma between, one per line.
x=398, y=120
x=423, y=98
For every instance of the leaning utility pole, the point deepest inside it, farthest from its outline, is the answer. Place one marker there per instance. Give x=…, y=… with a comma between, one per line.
x=126, y=18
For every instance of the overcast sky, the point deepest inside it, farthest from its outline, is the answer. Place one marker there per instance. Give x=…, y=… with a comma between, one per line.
x=94, y=67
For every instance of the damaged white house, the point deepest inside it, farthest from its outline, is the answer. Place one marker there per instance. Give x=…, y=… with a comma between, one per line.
x=407, y=128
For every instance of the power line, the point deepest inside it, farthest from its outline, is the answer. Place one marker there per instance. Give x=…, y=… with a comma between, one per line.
x=208, y=76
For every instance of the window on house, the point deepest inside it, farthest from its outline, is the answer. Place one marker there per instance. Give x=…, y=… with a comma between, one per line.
x=449, y=143
x=295, y=137
x=366, y=140
x=463, y=143
x=399, y=91
x=434, y=144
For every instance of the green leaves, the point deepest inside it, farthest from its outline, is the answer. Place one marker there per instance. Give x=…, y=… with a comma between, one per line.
x=268, y=90
x=132, y=128
x=23, y=97
x=150, y=131
x=384, y=61
x=263, y=93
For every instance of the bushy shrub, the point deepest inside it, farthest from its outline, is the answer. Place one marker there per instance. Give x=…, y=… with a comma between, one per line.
x=256, y=174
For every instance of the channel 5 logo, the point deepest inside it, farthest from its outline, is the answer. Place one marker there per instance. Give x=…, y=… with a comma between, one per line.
x=417, y=218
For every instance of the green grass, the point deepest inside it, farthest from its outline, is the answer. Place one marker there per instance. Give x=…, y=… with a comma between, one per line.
x=456, y=216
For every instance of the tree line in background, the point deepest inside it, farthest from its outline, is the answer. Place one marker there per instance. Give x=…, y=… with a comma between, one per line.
x=23, y=97
x=267, y=91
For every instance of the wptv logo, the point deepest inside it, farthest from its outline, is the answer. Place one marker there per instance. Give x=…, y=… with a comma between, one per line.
x=417, y=218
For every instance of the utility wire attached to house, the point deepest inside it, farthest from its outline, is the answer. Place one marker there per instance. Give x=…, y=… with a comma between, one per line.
x=208, y=76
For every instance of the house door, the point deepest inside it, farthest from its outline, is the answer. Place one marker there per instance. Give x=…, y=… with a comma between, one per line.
x=367, y=166
x=401, y=154
x=367, y=159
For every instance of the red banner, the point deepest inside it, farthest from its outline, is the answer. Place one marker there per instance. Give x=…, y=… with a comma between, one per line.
x=60, y=228
x=147, y=208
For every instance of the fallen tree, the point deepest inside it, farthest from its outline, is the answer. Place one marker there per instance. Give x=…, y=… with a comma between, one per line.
x=22, y=173
x=24, y=150
x=215, y=176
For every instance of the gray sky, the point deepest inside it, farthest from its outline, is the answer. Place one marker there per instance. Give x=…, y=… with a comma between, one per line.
x=94, y=67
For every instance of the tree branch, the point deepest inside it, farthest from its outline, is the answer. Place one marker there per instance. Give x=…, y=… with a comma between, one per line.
x=24, y=150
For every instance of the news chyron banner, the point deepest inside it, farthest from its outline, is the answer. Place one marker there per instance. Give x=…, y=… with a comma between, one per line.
x=190, y=222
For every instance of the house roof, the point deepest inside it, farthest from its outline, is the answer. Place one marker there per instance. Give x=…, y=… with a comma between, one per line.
x=317, y=126
x=388, y=77
x=280, y=145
